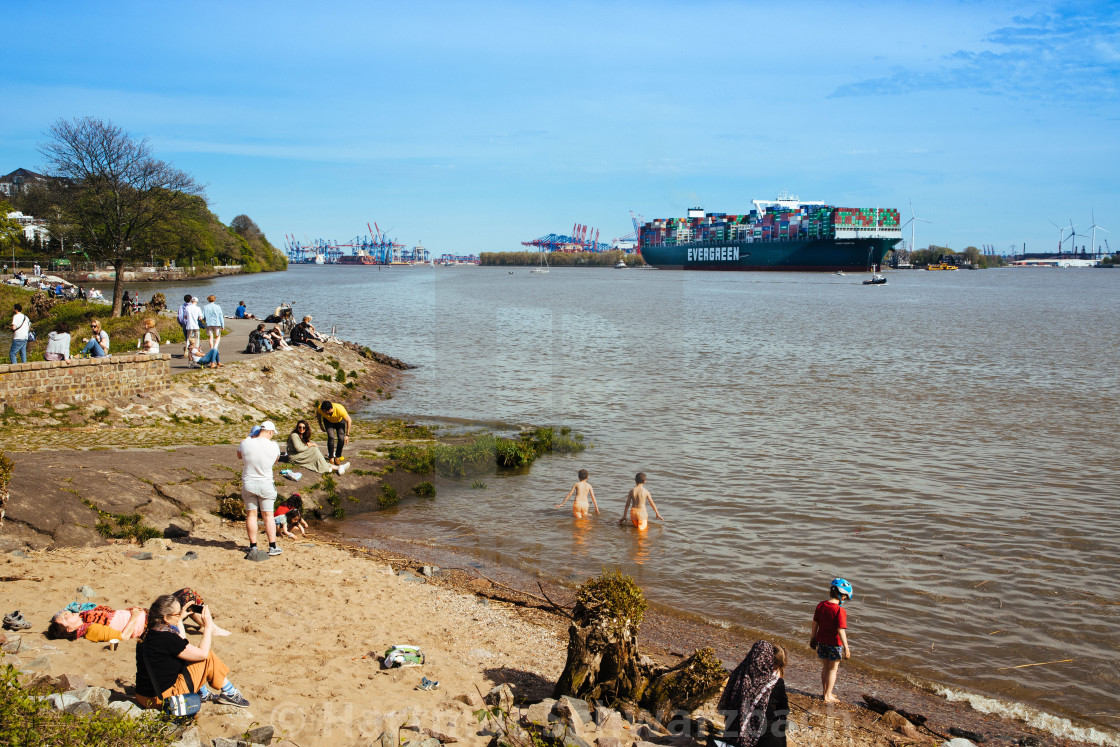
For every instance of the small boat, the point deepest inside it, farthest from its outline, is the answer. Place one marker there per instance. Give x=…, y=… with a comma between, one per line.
x=941, y=266
x=875, y=279
x=840, y=273
x=620, y=265
x=543, y=267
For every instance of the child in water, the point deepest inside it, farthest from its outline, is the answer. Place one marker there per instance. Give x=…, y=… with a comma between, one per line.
x=583, y=491
x=636, y=501
x=830, y=635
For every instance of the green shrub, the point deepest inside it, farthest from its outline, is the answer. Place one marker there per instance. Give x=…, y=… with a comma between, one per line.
x=388, y=497
x=122, y=526
x=340, y=376
x=425, y=489
x=612, y=597
x=28, y=722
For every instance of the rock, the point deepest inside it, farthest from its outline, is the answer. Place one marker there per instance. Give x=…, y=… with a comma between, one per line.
x=608, y=742
x=470, y=699
x=61, y=701
x=958, y=742
x=126, y=707
x=893, y=720
x=539, y=713
x=574, y=711
x=429, y=570
x=645, y=733
x=15, y=661
x=409, y=578
x=155, y=544
x=501, y=696
x=15, y=646
x=1028, y=742
x=174, y=531
x=190, y=555
x=72, y=682
x=261, y=734
x=387, y=740
x=608, y=719
x=257, y=555
x=3, y=639
x=910, y=731
x=956, y=731
x=20, y=554
x=81, y=708
x=86, y=592
x=644, y=744
x=140, y=556
x=430, y=742
x=190, y=737
x=95, y=696
x=40, y=664
x=223, y=742
x=572, y=740
x=44, y=683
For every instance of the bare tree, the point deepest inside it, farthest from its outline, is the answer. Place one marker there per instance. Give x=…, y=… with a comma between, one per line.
x=246, y=226
x=117, y=188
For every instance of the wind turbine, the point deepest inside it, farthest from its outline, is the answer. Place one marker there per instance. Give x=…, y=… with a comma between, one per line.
x=1095, y=227
x=913, y=223
x=1072, y=238
x=1061, y=235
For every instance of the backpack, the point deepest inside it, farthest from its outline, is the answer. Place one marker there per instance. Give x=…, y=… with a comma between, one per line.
x=254, y=345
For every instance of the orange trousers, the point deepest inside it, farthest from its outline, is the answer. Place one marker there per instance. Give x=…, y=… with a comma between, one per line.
x=213, y=672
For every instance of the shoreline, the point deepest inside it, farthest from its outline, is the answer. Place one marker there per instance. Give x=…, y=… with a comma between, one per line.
x=668, y=632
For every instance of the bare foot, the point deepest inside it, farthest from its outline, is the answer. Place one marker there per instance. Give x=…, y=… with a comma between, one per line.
x=831, y=699
x=220, y=631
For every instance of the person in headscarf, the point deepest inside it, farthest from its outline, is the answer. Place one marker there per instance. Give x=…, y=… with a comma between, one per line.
x=754, y=703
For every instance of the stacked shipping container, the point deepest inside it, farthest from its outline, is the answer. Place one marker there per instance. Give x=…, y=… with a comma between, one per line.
x=779, y=223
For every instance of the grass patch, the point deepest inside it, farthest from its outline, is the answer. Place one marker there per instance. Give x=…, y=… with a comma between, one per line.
x=122, y=526
x=388, y=497
x=425, y=489
x=478, y=485
x=482, y=452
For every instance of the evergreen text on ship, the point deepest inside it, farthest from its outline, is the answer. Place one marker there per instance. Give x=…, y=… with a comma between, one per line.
x=713, y=254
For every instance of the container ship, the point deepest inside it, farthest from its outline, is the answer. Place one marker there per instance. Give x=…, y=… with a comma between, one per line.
x=782, y=234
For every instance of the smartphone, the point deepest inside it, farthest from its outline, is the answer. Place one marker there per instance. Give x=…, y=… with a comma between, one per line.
x=195, y=608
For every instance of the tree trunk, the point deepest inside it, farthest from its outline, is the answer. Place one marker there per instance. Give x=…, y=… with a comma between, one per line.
x=686, y=686
x=602, y=664
x=118, y=286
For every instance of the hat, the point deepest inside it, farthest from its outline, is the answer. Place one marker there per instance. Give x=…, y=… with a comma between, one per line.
x=268, y=426
x=194, y=299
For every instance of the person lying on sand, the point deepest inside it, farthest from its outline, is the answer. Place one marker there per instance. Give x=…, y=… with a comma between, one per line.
x=100, y=624
x=636, y=501
x=582, y=491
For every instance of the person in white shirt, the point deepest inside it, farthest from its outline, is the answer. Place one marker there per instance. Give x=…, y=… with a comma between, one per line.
x=258, y=490
x=149, y=343
x=58, y=343
x=21, y=325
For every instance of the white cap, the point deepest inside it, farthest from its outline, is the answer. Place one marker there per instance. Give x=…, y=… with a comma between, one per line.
x=268, y=426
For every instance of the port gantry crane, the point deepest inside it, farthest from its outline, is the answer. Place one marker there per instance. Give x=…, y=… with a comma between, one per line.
x=582, y=239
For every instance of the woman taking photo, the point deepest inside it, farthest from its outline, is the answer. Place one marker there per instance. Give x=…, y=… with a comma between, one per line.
x=167, y=664
x=754, y=703
x=303, y=451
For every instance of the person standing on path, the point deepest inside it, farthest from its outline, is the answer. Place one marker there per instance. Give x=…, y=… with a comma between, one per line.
x=188, y=322
x=215, y=321
x=335, y=421
x=636, y=501
x=830, y=635
x=21, y=325
x=258, y=490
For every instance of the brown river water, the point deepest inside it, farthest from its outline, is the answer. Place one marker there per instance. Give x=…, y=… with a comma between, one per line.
x=947, y=442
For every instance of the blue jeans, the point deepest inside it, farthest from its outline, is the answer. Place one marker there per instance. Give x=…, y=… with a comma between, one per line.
x=19, y=350
x=94, y=348
x=210, y=357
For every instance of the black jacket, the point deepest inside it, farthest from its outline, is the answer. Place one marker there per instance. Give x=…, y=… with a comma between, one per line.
x=773, y=731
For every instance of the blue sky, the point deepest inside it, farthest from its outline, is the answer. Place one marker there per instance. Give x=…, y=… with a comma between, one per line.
x=474, y=126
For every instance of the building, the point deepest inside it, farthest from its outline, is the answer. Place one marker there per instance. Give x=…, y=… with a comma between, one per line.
x=20, y=179
x=31, y=226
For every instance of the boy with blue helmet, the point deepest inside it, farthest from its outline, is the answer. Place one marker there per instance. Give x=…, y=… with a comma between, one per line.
x=830, y=635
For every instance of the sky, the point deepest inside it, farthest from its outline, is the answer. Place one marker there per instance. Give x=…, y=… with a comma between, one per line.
x=475, y=126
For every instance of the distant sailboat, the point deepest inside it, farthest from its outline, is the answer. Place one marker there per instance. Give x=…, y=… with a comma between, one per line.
x=543, y=266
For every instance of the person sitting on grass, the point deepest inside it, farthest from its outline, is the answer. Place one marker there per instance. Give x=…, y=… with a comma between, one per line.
x=213, y=358
x=302, y=451
x=167, y=664
x=149, y=343
x=98, y=345
x=58, y=343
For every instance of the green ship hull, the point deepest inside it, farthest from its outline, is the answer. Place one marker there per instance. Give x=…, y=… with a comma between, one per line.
x=795, y=255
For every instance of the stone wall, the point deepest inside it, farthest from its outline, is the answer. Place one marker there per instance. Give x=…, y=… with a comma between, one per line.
x=83, y=379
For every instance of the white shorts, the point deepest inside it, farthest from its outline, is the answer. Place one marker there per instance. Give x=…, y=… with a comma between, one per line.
x=214, y=330
x=259, y=494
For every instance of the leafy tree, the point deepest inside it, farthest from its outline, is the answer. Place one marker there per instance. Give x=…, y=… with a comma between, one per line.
x=245, y=226
x=10, y=229
x=117, y=189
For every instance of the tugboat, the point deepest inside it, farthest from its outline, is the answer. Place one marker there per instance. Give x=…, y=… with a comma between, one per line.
x=875, y=279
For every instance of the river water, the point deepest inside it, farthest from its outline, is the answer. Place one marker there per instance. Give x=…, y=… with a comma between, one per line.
x=947, y=442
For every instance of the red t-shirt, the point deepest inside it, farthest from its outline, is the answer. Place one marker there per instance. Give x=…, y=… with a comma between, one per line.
x=830, y=618
x=281, y=511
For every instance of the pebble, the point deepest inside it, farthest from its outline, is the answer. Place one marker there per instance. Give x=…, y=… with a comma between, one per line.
x=409, y=578
x=140, y=556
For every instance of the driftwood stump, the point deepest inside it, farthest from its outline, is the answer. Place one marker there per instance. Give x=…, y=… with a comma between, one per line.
x=686, y=686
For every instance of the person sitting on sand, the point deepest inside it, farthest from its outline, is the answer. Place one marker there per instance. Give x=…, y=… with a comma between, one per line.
x=582, y=491
x=167, y=664
x=754, y=703
x=100, y=624
x=276, y=337
x=149, y=343
x=288, y=519
x=636, y=501
x=830, y=635
x=212, y=358
x=304, y=452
